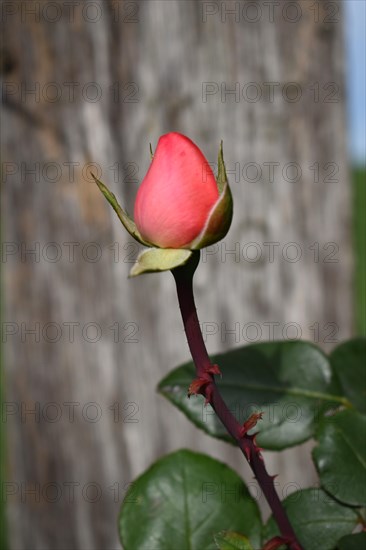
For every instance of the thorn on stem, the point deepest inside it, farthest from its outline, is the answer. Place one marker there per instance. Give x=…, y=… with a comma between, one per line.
x=197, y=386
x=250, y=423
x=201, y=386
x=208, y=395
x=247, y=453
x=214, y=369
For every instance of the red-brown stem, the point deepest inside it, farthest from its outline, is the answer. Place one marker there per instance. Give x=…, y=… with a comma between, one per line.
x=184, y=281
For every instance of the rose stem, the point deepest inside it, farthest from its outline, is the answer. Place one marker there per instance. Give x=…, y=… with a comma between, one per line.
x=184, y=280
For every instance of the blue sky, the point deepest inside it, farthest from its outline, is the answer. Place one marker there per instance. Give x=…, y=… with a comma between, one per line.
x=356, y=77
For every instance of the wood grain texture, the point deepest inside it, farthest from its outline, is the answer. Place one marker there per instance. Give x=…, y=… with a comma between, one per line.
x=160, y=54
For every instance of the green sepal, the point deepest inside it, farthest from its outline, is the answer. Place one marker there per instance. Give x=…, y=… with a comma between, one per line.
x=126, y=220
x=219, y=220
x=221, y=170
x=159, y=259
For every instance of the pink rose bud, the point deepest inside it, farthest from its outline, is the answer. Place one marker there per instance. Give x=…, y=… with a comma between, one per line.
x=179, y=203
x=179, y=208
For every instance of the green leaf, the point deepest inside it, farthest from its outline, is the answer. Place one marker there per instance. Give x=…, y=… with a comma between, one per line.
x=159, y=259
x=318, y=520
x=349, y=363
x=352, y=542
x=289, y=381
x=340, y=457
x=126, y=220
x=228, y=540
x=182, y=500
